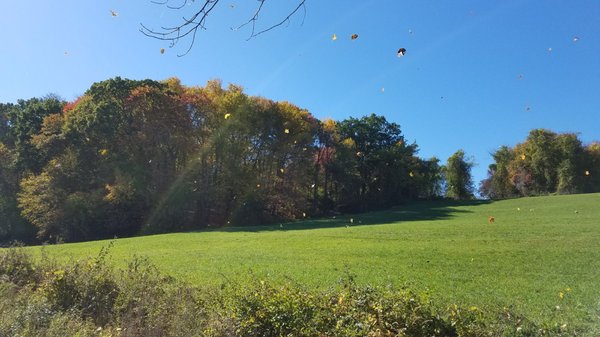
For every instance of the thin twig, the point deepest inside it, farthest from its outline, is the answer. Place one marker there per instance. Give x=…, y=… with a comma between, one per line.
x=190, y=26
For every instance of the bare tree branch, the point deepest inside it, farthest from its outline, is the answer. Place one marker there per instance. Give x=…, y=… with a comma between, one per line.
x=189, y=26
x=301, y=4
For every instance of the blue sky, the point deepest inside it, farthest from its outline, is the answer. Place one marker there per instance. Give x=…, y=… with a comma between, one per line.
x=476, y=75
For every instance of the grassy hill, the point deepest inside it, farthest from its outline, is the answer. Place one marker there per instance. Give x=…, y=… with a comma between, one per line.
x=537, y=249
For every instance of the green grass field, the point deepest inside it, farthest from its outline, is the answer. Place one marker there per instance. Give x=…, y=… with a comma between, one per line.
x=536, y=249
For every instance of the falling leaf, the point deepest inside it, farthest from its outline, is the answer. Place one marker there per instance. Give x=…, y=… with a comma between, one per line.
x=359, y=154
x=232, y=6
x=66, y=53
x=303, y=215
x=401, y=52
x=334, y=37
x=103, y=152
x=286, y=130
x=410, y=31
x=550, y=49
x=575, y=38
x=528, y=108
x=351, y=220
x=523, y=157
x=258, y=185
x=281, y=170
x=354, y=36
x=382, y=89
x=520, y=76
x=411, y=174
x=162, y=50
x=113, y=13
x=587, y=173
x=227, y=116
x=312, y=186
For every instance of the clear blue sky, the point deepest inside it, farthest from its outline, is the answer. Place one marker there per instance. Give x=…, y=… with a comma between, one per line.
x=471, y=71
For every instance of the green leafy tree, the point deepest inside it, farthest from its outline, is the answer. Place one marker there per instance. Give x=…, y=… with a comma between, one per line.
x=459, y=184
x=430, y=178
x=591, y=168
x=383, y=160
x=5, y=123
x=12, y=225
x=570, y=179
x=26, y=119
x=498, y=184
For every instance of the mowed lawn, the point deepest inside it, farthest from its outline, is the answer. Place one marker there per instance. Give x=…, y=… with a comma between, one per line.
x=535, y=249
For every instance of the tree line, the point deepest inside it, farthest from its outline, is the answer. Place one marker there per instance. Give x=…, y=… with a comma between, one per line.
x=545, y=163
x=131, y=157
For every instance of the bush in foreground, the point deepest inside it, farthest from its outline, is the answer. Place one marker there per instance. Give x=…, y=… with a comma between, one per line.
x=89, y=298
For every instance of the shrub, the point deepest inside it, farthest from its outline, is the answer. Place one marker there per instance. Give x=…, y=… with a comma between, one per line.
x=17, y=267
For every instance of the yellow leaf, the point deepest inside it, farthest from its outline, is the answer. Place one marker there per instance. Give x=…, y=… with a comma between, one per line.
x=227, y=116
x=587, y=173
x=334, y=37
x=287, y=131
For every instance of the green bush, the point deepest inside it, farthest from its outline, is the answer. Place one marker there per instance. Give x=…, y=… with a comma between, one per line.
x=17, y=267
x=87, y=287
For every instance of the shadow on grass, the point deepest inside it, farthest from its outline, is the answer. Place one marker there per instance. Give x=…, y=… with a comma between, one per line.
x=414, y=211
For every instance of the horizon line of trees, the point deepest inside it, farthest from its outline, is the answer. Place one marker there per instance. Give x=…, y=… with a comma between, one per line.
x=545, y=163
x=131, y=157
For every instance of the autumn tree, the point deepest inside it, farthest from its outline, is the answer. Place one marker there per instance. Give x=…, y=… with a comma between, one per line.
x=546, y=162
x=130, y=157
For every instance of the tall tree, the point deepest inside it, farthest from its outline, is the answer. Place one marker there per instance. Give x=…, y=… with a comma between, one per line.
x=26, y=119
x=498, y=184
x=459, y=184
x=383, y=160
